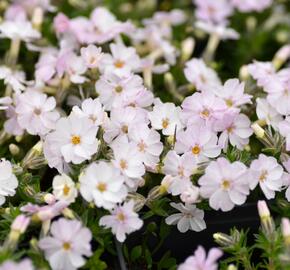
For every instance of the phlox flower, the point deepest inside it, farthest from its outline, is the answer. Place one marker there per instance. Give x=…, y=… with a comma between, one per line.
x=67, y=245
x=232, y=92
x=122, y=220
x=10, y=265
x=225, y=184
x=148, y=143
x=165, y=117
x=202, y=109
x=76, y=137
x=11, y=125
x=200, y=261
x=102, y=184
x=201, y=76
x=92, y=109
x=5, y=102
x=268, y=113
x=236, y=129
x=8, y=181
x=251, y=5
x=61, y=23
x=213, y=11
x=64, y=188
x=284, y=129
x=199, y=141
x=122, y=61
x=189, y=218
x=190, y=194
x=75, y=68
x=266, y=172
x=92, y=56
x=15, y=79
x=36, y=112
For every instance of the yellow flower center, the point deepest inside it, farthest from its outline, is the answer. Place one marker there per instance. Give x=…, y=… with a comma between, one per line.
x=66, y=246
x=119, y=64
x=119, y=89
x=125, y=129
x=141, y=146
x=121, y=216
x=75, y=139
x=263, y=176
x=123, y=164
x=37, y=111
x=195, y=150
x=230, y=129
x=229, y=102
x=205, y=113
x=165, y=122
x=101, y=187
x=226, y=184
x=65, y=190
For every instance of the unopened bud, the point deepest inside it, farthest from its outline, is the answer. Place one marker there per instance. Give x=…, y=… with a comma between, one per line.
x=49, y=198
x=266, y=220
x=165, y=184
x=232, y=267
x=20, y=223
x=139, y=200
x=14, y=149
x=244, y=73
x=68, y=213
x=223, y=239
x=34, y=159
x=260, y=132
x=263, y=210
x=37, y=18
x=281, y=56
x=187, y=47
x=286, y=230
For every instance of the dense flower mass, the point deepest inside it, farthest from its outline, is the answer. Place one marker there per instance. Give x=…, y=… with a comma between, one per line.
x=126, y=122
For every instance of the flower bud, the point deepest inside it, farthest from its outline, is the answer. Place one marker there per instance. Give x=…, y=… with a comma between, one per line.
x=260, y=132
x=281, y=56
x=286, y=230
x=187, y=47
x=190, y=195
x=49, y=198
x=232, y=267
x=139, y=200
x=263, y=210
x=165, y=184
x=37, y=18
x=266, y=220
x=223, y=239
x=20, y=223
x=34, y=159
x=14, y=149
x=68, y=213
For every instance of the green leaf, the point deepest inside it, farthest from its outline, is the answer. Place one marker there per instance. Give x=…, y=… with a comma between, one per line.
x=136, y=253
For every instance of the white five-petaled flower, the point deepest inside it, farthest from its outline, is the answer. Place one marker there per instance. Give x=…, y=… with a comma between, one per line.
x=123, y=220
x=76, y=138
x=64, y=188
x=225, y=184
x=92, y=56
x=266, y=172
x=68, y=244
x=8, y=181
x=103, y=184
x=189, y=218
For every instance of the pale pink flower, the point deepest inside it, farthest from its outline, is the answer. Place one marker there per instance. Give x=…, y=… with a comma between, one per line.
x=222, y=31
x=213, y=11
x=232, y=92
x=189, y=218
x=225, y=184
x=102, y=184
x=190, y=195
x=251, y=5
x=203, y=109
x=122, y=61
x=268, y=113
x=10, y=265
x=76, y=137
x=148, y=143
x=67, y=245
x=92, y=56
x=266, y=172
x=18, y=29
x=11, y=125
x=165, y=117
x=15, y=79
x=5, y=102
x=199, y=141
x=61, y=23
x=45, y=212
x=128, y=160
x=284, y=129
x=8, y=181
x=36, y=112
x=92, y=109
x=15, y=12
x=200, y=261
x=123, y=220
x=201, y=76
x=116, y=91
x=64, y=188
x=122, y=120
x=236, y=129
x=20, y=224
x=75, y=68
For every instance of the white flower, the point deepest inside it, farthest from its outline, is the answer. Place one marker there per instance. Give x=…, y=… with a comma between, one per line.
x=92, y=109
x=36, y=112
x=103, y=184
x=64, y=188
x=148, y=143
x=10, y=265
x=92, y=56
x=165, y=117
x=76, y=68
x=266, y=172
x=189, y=218
x=8, y=181
x=15, y=79
x=68, y=244
x=225, y=184
x=128, y=159
x=22, y=30
x=76, y=138
x=123, y=220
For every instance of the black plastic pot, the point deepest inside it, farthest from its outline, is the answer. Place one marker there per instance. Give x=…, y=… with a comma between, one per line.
x=183, y=245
